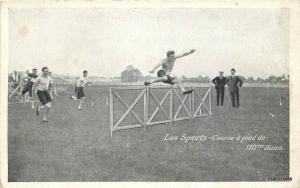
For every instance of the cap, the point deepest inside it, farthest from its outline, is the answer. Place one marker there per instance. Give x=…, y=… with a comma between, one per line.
x=232, y=69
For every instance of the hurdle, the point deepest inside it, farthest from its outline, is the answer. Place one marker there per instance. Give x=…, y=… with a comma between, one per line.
x=13, y=94
x=15, y=90
x=193, y=105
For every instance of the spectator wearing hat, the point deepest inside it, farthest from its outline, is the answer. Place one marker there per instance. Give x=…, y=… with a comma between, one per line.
x=220, y=82
x=234, y=82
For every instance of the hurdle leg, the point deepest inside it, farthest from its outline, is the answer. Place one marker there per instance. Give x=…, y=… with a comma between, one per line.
x=210, y=106
x=190, y=107
x=193, y=105
x=146, y=107
x=172, y=106
x=111, y=109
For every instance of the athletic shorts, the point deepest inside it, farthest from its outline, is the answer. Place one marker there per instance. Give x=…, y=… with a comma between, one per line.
x=44, y=96
x=170, y=79
x=79, y=92
x=27, y=88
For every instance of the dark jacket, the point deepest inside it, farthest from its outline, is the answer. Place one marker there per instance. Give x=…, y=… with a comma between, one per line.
x=219, y=82
x=233, y=82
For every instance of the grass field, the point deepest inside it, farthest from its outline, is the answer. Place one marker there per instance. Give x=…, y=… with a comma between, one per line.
x=77, y=146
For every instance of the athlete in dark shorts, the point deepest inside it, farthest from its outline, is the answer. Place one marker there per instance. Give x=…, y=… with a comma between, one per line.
x=170, y=80
x=42, y=84
x=79, y=93
x=44, y=96
x=164, y=75
x=30, y=79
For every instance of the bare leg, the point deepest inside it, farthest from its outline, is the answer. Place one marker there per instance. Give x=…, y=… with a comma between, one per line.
x=51, y=95
x=32, y=103
x=73, y=97
x=80, y=103
x=178, y=82
x=23, y=98
x=39, y=108
x=46, y=112
x=183, y=90
x=159, y=79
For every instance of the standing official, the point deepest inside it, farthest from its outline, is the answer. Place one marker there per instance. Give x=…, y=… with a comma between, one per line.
x=234, y=82
x=220, y=82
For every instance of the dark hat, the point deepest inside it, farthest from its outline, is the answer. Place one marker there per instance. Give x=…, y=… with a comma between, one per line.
x=170, y=52
x=233, y=70
x=221, y=71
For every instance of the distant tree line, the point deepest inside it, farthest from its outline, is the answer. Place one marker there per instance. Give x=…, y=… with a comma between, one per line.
x=132, y=74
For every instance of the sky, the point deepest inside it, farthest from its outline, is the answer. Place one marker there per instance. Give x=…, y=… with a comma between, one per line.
x=105, y=41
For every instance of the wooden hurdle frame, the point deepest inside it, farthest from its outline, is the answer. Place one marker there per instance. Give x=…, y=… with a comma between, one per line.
x=13, y=93
x=146, y=93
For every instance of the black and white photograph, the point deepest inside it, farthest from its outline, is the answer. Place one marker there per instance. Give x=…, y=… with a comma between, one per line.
x=175, y=93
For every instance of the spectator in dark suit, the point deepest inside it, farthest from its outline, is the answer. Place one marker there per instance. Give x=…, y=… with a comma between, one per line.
x=234, y=82
x=220, y=82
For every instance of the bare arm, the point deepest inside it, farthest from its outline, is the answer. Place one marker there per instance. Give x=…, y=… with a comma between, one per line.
x=156, y=66
x=36, y=82
x=52, y=86
x=87, y=82
x=185, y=54
x=24, y=78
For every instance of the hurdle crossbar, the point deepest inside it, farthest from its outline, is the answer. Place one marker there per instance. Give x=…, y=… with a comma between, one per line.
x=186, y=104
x=15, y=90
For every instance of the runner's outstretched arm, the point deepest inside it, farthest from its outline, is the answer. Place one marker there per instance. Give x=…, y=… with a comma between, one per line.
x=33, y=90
x=185, y=54
x=51, y=86
x=156, y=66
x=36, y=82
